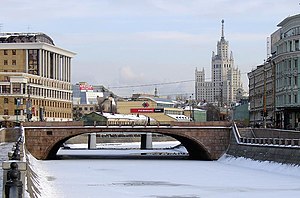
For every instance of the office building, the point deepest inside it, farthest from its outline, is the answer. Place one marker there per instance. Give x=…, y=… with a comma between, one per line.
x=35, y=79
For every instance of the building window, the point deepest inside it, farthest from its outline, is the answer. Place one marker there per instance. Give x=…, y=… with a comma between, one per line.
x=5, y=112
x=5, y=100
x=14, y=52
x=16, y=88
x=17, y=112
x=33, y=61
x=296, y=99
x=14, y=62
x=6, y=89
x=297, y=45
x=5, y=62
x=5, y=52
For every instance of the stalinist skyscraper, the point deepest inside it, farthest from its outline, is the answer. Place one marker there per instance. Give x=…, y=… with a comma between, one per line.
x=225, y=78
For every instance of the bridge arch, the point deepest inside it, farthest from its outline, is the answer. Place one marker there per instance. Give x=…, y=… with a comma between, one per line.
x=202, y=143
x=196, y=149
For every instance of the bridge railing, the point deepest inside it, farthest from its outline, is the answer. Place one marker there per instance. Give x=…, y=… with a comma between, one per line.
x=271, y=141
x=14, y=171
x=282, y=142
x=236, y=133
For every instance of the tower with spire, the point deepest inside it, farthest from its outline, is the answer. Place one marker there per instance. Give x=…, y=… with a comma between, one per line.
x=225, y=78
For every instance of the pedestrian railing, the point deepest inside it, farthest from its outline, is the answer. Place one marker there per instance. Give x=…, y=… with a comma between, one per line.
x=13, y=185
x=14, y=171
x=282, y=142
x=271, y=141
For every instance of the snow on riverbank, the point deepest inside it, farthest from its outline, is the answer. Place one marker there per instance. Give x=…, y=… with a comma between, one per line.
x=269, y=166
x=39, y=181
x=228, y=177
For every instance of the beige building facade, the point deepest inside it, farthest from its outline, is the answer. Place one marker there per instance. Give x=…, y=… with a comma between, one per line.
x=35, y=79
x=161, y=110
x=261, y=95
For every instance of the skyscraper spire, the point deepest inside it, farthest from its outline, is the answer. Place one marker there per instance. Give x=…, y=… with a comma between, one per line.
x=222, y=29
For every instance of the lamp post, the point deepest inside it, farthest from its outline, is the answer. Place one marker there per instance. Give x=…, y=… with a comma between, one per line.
x=28, y=104
x=18, y=101
x=265, y=100
x=191, y=109
x=42, y=110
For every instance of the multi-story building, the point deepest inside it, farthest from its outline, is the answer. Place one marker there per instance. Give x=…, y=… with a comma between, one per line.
x=160, y=109
x=225, y=78
x=285, y=58
x=35, y=79
x=261, y=95
x=90, y=98
x=83, y=93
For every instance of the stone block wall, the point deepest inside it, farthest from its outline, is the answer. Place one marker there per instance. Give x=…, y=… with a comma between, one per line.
x=276, y=133
x=9, y=135
x=2, y=135
x=204, y=124
x=285, y=155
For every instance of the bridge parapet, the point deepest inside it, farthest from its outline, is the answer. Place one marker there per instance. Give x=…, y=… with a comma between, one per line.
x=53, y=124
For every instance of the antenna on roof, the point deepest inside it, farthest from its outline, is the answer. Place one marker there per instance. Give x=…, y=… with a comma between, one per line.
x=268, y=47
x=28, y=28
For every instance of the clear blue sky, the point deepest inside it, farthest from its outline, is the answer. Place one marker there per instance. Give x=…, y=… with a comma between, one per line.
x=134, y=42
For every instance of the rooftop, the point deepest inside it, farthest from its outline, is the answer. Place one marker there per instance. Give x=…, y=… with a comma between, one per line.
x=17, y=37
x=288, y=19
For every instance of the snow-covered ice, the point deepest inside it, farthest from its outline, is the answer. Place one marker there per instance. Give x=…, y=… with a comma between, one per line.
x=109, y=178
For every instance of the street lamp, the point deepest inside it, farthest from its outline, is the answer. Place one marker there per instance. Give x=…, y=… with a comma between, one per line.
x=42, y=110
x=265, y=100
x=18, y=102
x=28, y=104
x=191, y=109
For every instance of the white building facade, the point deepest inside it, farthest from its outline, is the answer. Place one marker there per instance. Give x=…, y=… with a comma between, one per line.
x=225, y=78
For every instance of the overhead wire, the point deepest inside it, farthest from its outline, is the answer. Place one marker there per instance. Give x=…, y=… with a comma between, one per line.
x=157, y=84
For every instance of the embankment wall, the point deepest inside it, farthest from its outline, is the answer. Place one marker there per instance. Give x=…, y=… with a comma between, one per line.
x=280, y=154
x=9, y=134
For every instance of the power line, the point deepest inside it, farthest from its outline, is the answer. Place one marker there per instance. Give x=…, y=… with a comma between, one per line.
x=153, y=84
x=156, y=84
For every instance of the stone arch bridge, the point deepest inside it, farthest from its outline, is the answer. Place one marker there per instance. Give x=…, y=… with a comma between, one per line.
x=209, y=142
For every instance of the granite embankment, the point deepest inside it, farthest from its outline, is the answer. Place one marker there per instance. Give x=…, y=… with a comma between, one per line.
x=281, y=146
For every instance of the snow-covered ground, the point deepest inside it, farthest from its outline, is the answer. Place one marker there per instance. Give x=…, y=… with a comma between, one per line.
x=110, y=178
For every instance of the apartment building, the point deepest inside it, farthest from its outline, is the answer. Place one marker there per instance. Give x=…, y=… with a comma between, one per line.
x=225, y=77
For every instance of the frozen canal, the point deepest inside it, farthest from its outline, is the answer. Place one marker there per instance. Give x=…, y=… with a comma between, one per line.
x=123, y=178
